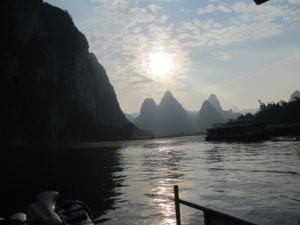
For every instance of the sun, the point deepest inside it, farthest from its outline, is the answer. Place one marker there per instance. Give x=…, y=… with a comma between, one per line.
x=160, y=63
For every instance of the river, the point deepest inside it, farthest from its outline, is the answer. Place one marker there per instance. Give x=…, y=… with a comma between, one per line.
x=131, y=182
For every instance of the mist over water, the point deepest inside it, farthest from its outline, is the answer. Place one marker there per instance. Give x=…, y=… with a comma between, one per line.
x=131, y=182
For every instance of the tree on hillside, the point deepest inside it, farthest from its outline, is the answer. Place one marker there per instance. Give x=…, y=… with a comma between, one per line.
x=274, y=113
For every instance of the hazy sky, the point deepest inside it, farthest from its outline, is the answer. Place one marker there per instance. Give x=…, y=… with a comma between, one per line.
x=235, y=49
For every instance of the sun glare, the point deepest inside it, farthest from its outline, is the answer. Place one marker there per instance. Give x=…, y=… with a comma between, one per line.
x=160, y=63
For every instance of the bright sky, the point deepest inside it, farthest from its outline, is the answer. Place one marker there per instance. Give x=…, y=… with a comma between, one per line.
x=235, y=49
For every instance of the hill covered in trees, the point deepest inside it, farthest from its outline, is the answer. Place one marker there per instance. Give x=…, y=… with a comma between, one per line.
x=273, y=113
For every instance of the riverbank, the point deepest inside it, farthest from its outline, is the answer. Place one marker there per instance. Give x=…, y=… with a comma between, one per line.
x=251, y=131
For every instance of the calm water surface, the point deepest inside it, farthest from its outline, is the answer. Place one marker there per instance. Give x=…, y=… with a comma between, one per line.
x=259, y=182
x=132, y=182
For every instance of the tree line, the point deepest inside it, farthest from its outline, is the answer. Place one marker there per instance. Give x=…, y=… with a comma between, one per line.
x=281, y=112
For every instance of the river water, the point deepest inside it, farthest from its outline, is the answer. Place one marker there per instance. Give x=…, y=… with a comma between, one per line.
x=132, y=182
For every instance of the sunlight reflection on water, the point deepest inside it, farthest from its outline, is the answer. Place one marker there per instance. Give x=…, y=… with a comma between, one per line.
x=254, y=181
x=163, y=193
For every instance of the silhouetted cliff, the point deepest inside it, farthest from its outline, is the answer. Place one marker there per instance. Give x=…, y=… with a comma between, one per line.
x=215, y=103
x=208, y=116
x=211, y=113
x=172, y=117
x=147, y=118
x=168, y=118
x=52, y=88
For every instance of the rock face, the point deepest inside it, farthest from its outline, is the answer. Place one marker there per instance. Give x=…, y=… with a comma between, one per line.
x=208, y=116
x=131, y=116
x=166, y=119
x=215, y=103
x=52, y=88
x=211, y=113
x=147, y=118
x=169, y=118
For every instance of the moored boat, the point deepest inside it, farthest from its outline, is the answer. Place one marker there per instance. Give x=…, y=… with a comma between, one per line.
x=245, y=131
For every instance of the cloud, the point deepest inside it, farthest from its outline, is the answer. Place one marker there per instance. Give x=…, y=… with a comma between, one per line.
x=123, y=38
x=111, y=3
x=213, y=8
x=185, y=10
x=163, y=18
x=289, y=1
x=223, y=56
x=124, y=33
x=282, y=76
x=243, y=22
x=154, y=8
x=294, y=1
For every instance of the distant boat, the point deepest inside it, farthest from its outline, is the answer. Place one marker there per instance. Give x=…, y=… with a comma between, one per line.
x=237, y=132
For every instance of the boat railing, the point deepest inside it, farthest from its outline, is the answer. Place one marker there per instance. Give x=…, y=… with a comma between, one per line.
x=211, y=217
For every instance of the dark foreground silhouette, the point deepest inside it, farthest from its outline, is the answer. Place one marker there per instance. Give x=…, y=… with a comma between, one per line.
x=52, y=88
x=83, y=174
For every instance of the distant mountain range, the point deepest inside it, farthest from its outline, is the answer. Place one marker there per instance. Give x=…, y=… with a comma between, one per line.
x=212, y=113
x=52, y=87
x=166, y=119
x=169, y=118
